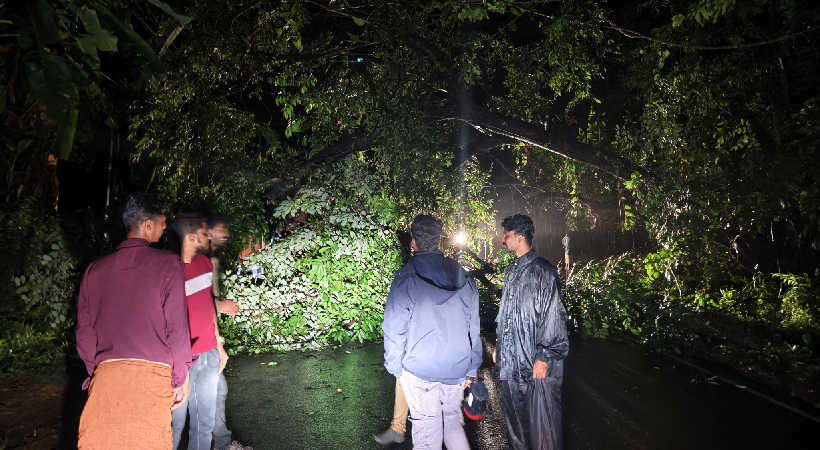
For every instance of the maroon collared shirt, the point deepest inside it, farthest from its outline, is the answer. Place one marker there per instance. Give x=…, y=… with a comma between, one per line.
x=132, y=305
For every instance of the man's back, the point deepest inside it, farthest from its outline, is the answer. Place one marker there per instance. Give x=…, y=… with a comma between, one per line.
x=431, y=320
x=132, y=306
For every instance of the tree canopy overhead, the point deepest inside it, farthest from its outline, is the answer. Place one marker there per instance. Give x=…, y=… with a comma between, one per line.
x=424, y=80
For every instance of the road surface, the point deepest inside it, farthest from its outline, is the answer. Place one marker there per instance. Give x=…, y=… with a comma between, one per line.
x=615, y=397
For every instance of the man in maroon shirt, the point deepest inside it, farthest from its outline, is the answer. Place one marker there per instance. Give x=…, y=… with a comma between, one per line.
x=206, y=344
x=132, y=334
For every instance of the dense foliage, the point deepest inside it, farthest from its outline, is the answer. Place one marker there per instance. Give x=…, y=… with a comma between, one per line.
x=696, y=123
x=765, y=327
x=327, y=280
x=36, y=317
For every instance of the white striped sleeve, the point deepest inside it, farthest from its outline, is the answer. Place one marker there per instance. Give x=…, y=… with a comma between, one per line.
x=199, y=283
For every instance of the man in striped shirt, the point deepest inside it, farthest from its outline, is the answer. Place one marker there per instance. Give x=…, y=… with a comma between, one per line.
x=206, y=344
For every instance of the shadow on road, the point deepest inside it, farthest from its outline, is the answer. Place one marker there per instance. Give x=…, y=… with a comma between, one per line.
x=73, y=403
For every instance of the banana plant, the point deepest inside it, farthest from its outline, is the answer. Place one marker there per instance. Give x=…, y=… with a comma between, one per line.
x=60, y=43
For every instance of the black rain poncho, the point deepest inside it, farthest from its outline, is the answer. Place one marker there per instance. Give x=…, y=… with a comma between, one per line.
x=531, y=324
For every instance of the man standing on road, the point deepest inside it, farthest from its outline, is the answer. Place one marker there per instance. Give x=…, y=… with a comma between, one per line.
x=532, y=343
x=206, y=344
x=132, y=334
x=219, y=234
x=431, y=338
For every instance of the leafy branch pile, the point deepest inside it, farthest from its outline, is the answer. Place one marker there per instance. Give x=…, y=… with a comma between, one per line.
x=328, y=280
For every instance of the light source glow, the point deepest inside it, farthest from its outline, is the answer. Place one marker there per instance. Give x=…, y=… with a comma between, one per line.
x=461, y=239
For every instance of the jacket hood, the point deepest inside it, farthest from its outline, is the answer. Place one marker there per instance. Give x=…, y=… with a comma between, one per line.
x=439, y=271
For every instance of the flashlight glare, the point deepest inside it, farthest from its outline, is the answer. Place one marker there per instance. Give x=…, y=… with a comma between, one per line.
x=461, y=239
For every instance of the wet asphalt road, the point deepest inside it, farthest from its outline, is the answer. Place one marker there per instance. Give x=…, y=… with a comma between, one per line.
x=614, y=398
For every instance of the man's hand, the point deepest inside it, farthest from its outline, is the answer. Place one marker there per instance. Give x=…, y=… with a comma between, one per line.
x=223, y=357
x=493, y=355
x=539, y=370
x=227, y=307
x=469, y=381
x=181, y=394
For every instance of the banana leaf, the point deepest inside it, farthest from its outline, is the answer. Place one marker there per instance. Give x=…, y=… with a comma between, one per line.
x=142, y=47
x=51, y=83
x=88, y=45
x=171, y=11
x=65, y=133
x=106, y=42
x=45, y=21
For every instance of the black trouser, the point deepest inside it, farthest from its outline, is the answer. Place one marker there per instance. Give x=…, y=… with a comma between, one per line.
x=533, y=413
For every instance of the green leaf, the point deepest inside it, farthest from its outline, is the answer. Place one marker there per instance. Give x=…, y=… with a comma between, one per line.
x=358, y=21
x=65, y=134
x=167, y=8
x=51, y=83
x=88, y=45
x=142, y=47
x=45, y=21
x=106, y=42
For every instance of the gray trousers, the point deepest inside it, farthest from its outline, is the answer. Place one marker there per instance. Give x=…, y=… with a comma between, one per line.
x=435, y=412
x=201, y=404
x=222, y=435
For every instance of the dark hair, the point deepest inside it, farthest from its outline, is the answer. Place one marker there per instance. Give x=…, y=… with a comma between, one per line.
x=520, y=225
x=139, y=207
x=217, y=218
x=426, y=230
x=186, y=223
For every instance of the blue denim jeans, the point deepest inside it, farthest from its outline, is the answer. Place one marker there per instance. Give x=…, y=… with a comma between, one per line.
x=204, y=377
x=222, y=435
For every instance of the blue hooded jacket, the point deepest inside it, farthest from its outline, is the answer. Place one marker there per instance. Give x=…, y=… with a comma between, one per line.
x=431, y=324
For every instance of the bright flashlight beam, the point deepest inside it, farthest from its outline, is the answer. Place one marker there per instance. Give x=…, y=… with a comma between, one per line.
x=461, y=239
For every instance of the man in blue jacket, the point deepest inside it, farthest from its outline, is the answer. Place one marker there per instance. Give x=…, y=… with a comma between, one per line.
x=431, y=338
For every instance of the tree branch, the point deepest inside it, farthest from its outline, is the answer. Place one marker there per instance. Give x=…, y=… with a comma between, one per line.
x=477, y=142
x=557, y=139
x=423, y=46
x=318, y=56
x=346, y=145
x=636, y=35
x=170, y=40
x=243, y=83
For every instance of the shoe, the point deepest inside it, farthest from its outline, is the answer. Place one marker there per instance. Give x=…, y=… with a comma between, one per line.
x=235, y=445
x=389, y=437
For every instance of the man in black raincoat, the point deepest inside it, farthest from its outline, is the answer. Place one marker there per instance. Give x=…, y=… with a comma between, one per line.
x=532, y=343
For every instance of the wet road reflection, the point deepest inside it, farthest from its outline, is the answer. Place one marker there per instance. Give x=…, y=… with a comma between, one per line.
x=614, y=398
